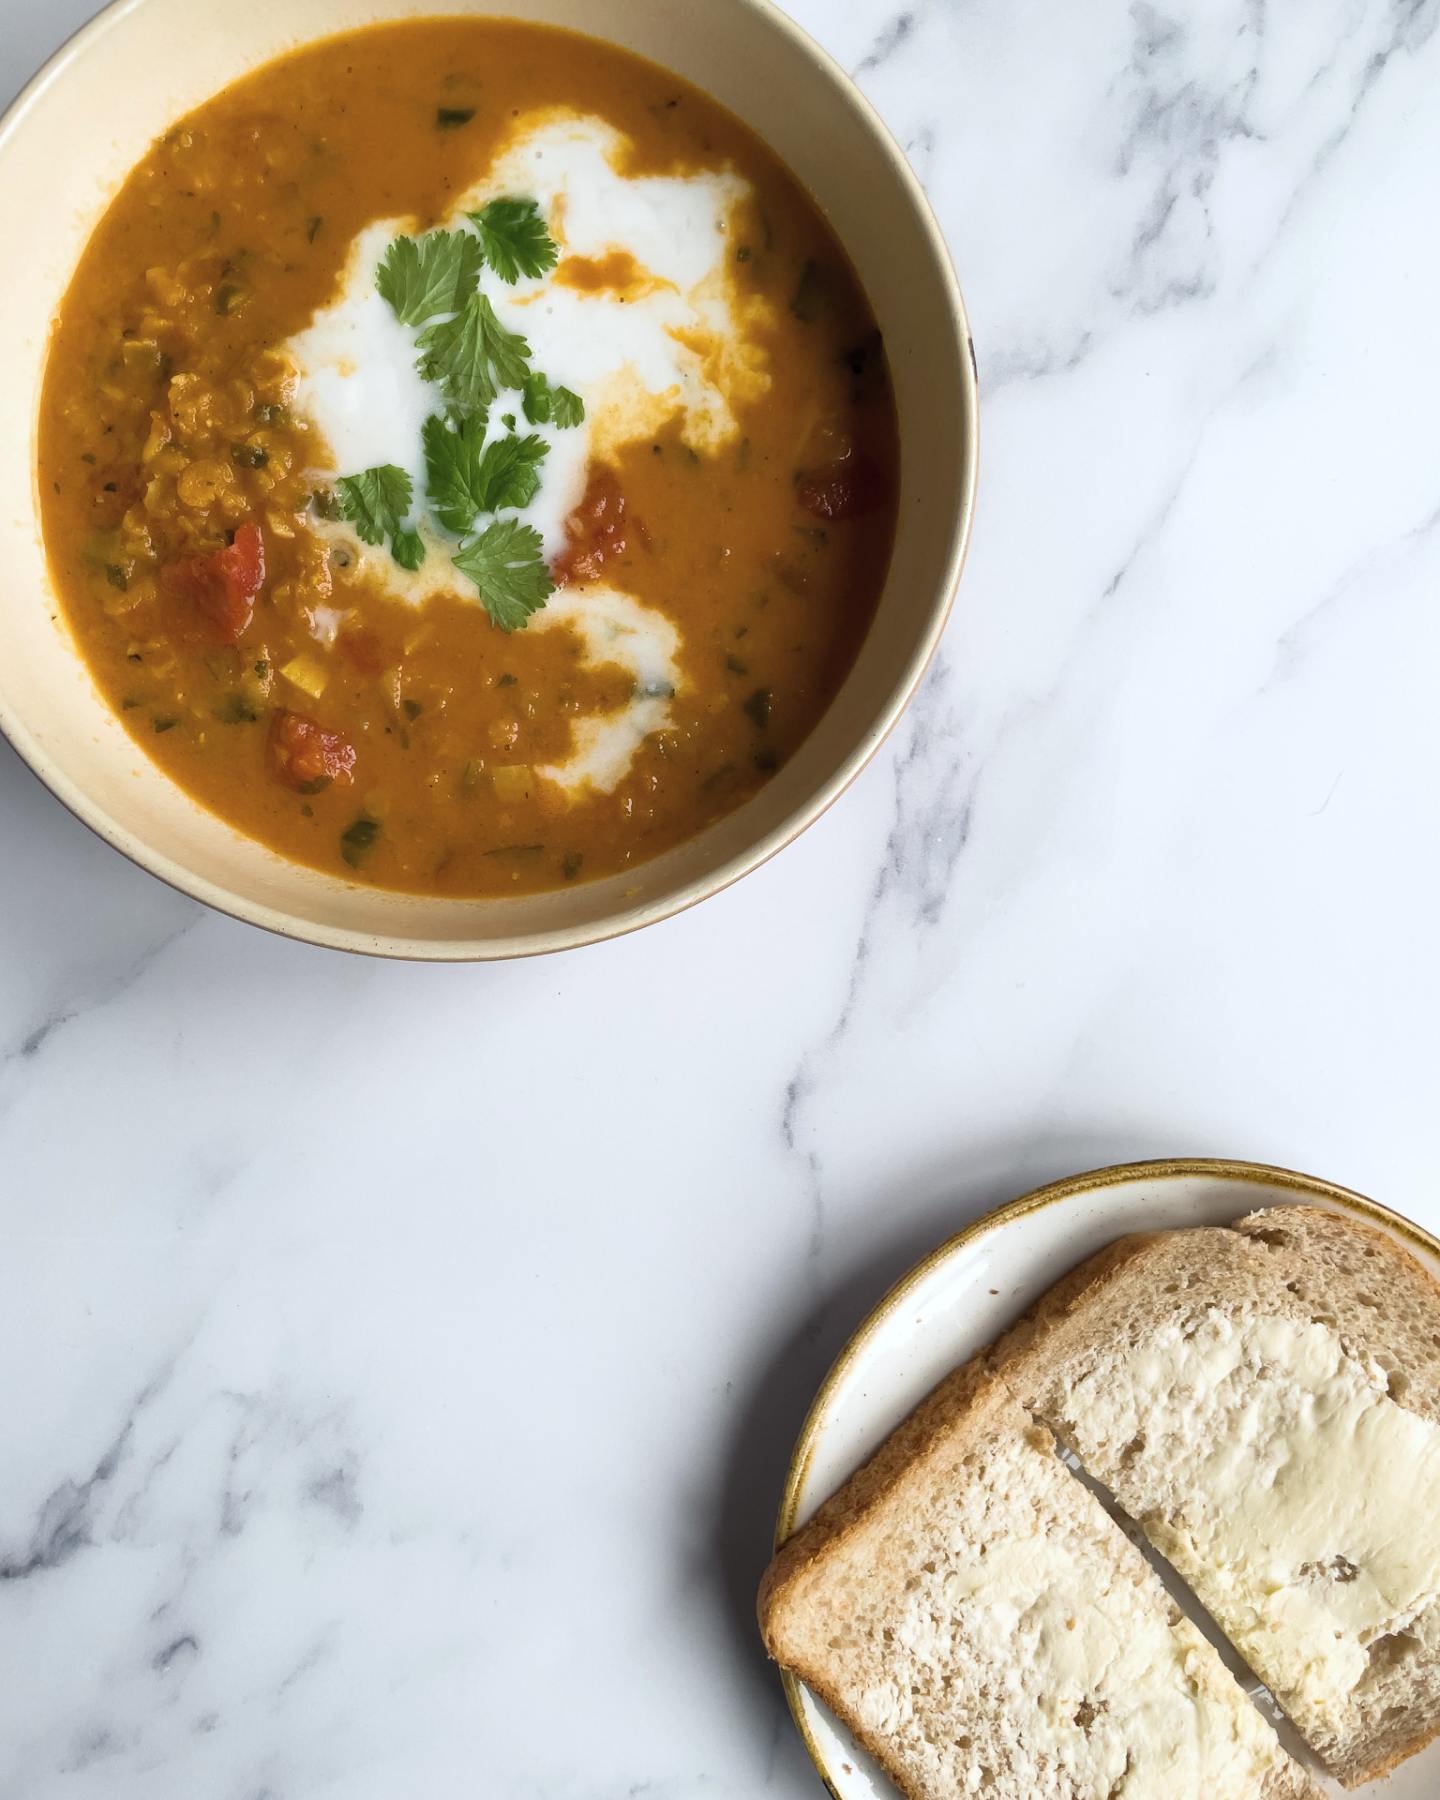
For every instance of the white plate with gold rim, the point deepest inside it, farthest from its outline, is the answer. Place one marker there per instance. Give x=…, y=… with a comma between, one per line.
x=961, y=1296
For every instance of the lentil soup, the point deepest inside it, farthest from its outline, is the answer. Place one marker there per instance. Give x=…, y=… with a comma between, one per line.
x=468, y=459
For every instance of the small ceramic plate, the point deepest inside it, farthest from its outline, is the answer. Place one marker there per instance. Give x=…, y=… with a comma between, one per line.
x=962, y=1296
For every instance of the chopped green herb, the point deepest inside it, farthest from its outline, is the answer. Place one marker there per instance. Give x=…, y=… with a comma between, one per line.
x=506, y=565
x=736, y=667
x=473, y=357
x=504, y=681
x=358, y=839
x=133, y=656
x=229, y=299
x=465, y=477
x=235, y=709
x=450, y=118
x=312, y=229
x=408, y=549
x=757, y=707
x=423, y=277
x=546, y=405
x=572, y=864
x=743, y=253
x=412, y=708
x=168, y=723
x=510, y=472
x=508, y=421
x=129, y=704
x=262, y=668
x=307, y=812
x=375, y=501
x=317, y=786
x=117, y=577
x=250, y=456
x=273, y=415
x=452, y=469
x=513, y=236
x=325, y=503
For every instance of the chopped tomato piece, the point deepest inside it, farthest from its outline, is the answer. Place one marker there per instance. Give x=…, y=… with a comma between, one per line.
x=840, y=490
x=220, y=588
x=596, y=529
x=305, y=756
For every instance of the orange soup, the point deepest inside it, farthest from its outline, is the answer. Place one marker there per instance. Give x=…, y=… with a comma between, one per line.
x=468, y=458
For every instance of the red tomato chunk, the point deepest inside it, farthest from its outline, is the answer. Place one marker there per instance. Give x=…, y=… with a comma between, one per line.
x=596, y=529
x=305, y=756
x=221, y=588
x=840, y=490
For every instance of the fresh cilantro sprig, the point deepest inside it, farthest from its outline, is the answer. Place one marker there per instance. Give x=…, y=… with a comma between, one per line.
x=472, y=357
x=513, y=236
x=432, y=284
x=376, y=502
x=421, y=278
x=506, y=565
x=546, y=405
x=466, y=477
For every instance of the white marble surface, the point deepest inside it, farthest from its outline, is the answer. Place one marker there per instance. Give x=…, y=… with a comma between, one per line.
x=400, y=1363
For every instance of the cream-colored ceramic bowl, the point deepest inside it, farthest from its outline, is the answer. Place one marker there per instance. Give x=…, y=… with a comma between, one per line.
x=68, y=143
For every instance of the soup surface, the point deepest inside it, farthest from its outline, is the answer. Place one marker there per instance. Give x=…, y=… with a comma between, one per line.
x=468, y=458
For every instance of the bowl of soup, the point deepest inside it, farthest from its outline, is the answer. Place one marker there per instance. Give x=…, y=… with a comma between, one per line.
x=480, y=481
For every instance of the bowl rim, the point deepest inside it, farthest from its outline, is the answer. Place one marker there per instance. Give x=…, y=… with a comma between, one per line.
x=496, y=948
x=1257, y=1174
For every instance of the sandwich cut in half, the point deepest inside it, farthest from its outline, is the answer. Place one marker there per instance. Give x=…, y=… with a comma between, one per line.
x=967, y=1608
x=1264, y=1400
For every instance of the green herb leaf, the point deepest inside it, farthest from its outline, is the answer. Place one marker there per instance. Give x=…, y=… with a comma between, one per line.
x=408, y=549
x=375, y=501
x=464, y=477
x=546, y=405
x=514, y=238
x=423, y=277
x=510, y=472
x=505, y=563
x=473, y=356
x=357, y=839
x=449, y=118
x=452, y=470
x=235, y=709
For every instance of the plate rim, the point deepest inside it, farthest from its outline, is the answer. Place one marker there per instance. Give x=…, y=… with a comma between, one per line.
x=1070, y=1187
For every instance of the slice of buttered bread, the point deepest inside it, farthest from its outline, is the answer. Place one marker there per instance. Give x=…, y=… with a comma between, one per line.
x=965, y=1605
x=1264, y=1399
